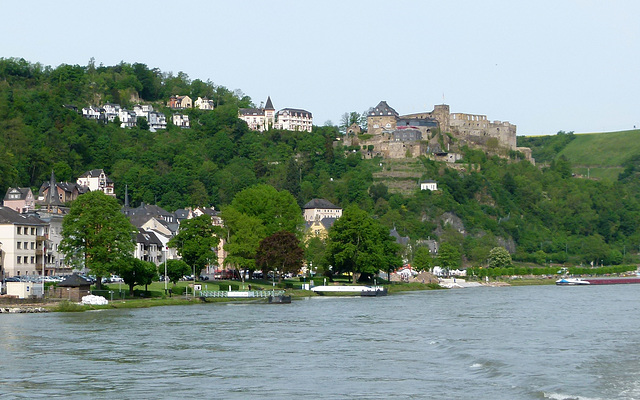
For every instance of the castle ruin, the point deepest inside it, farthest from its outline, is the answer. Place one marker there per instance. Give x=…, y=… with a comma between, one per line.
x=399, y=136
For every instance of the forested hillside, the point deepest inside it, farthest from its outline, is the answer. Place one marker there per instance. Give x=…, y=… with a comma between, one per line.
x=542, y=214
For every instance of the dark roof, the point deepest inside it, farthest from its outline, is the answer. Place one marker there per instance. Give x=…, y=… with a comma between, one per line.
x=383, y=109
x=149, y=209
x=251, y=111
x=296, y=111
x=147, y=238
x=22, y=191
x=429, y=181
x=403, y=240
x=94, y=173
x=181, y=213
x=269, y=105
x=9, y=216
x=75, y=280
x=209, y=211
x=319, y=203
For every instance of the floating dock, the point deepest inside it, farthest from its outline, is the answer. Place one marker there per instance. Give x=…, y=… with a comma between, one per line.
x=364, y=291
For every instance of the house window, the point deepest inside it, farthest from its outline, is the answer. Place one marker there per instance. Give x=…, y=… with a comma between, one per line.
x=33, y=245
x=19, y=262
x=33, y=260
x=18, y=244
x=19, y=231
x=33, y=231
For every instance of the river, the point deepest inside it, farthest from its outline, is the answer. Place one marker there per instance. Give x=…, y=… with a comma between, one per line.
x=537, y=342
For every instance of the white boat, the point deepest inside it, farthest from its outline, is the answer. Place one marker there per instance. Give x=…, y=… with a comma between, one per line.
x=572, y=282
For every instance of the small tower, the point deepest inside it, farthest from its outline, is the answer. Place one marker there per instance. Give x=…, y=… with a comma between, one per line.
x=53, y=200
x=269, y=114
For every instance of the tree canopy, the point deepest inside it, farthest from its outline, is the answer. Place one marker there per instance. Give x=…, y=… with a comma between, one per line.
x=499, y=257
x=196, y=241
x=254, y=214
x=358, y=244
x=137, y=272
x=280, y=251
x=96, y=235
x=540, y=212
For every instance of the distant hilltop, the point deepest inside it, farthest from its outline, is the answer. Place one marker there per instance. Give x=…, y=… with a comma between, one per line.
x=392, y=135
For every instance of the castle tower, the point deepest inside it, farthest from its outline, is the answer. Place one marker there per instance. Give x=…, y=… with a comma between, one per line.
x=441, y=114
x=381, y=118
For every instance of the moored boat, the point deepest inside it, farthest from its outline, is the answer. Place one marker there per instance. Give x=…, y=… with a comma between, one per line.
x=572, y=282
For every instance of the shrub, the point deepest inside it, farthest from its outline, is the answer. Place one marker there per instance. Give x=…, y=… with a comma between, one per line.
x=178, y=290
x=68, y=306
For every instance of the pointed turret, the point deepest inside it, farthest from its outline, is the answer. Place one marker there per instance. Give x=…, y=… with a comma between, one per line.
x=269, y=105
x=126, y=196
x=53, y=199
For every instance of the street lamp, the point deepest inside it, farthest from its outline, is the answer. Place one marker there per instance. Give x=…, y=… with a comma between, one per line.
x=165, y=269
x=1, y=268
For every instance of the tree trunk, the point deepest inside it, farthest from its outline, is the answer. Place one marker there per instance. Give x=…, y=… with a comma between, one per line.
x=356, y=276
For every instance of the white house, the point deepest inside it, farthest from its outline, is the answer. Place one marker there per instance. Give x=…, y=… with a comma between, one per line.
x=148, y=247
x=259, y=119
x=143, y=110
x=157, y=120
x=293, y=119
x=429, y=185
x=92, y=112
x=204, y=104
x=128, y=119
x=96, y=179
x=181, y=120
x=318, y=209
x=111, y=111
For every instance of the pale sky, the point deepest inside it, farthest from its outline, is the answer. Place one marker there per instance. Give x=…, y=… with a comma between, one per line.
x=544, y=65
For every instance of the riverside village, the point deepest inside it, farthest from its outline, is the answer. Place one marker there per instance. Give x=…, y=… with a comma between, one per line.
x=34, y=267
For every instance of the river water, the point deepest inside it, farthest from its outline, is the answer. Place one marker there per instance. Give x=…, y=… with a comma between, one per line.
x=533, y=342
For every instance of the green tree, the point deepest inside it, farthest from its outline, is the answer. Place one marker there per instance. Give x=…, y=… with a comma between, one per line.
x=315, y=254
x=280, y=251
x=254, y=214
x=196, y=241
x=277, y=210
x=499, y=257
x=96, y=235
x=448, y=256
x=359, y=244
x=245, y=234
x=348, y=119
x=136, y=272
x=142, y=123
x=176, y=269
x=422, y=260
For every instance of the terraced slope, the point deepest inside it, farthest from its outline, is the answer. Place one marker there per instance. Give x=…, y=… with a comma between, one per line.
x=401, y=175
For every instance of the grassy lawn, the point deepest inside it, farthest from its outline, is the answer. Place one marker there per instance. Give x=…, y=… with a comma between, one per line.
x=606, y=150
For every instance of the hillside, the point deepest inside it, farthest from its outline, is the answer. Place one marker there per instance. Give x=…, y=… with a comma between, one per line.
x=539, y=213
x=594, y=155
x=602, y=155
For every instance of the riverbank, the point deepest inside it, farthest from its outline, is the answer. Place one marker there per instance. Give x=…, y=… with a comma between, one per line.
x=155, y=300
x=23, y=310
